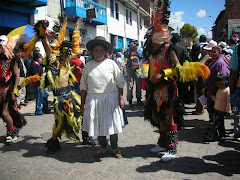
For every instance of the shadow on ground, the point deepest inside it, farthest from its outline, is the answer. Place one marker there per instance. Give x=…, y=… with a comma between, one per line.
x=228, y=163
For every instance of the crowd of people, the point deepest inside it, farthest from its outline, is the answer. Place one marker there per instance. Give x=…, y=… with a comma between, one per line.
x=88, y=86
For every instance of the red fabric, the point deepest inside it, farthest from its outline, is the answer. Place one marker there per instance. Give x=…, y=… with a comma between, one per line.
x=11, y=129
x=170, y=127
x=39, y=72
x=79, y=63
x=162, y=134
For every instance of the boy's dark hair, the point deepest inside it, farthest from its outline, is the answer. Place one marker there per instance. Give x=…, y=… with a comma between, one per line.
x=222, y=78
x=202, y=38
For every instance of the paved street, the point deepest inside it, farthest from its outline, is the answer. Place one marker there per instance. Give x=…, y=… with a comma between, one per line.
x=26, y=158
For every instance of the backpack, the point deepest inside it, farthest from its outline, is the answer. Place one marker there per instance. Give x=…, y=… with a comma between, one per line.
x=134, y=59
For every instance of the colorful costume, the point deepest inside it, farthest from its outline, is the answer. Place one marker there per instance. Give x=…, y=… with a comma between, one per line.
x=161, y=95
x=163, y=107
x=66, y=102
x=6, y=88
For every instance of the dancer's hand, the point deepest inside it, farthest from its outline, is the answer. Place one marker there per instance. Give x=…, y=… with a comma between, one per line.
x=156, y=77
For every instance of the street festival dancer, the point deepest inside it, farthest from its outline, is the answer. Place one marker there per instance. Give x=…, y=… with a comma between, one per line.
x=163, y=108
x=59, y=78
x=9, y=82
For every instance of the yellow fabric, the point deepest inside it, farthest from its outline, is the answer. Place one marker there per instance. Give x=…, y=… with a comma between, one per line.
x=145, y=68
x=16, y=31
x=170, y=72
x=29, y=79
x=15, y=91
x=192, y=70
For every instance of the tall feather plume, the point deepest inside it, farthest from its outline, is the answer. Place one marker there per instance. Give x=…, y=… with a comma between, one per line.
x=77, y=40
x=159, y=21
x=13, y=43
x=56, y=37
x=28, y=47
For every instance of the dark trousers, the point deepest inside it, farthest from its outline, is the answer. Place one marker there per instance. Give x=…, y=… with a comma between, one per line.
x=218, y=125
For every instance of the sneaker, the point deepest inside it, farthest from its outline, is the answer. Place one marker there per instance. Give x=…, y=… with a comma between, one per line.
x=157, y=149
x=168, y=156
x=17, y=132
x=11, y=136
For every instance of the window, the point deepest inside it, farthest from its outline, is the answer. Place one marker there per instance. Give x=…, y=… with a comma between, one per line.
x=117, y=11
x=127, y=16
x=130, y=17
x=112, y=8
x=113, y=39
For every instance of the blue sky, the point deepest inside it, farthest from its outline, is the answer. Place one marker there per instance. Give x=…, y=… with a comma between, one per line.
x=196, y=13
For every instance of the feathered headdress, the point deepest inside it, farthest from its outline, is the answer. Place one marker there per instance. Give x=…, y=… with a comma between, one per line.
x=9, y=44
x=159, y=21
x=77, y=40
x=56, y=37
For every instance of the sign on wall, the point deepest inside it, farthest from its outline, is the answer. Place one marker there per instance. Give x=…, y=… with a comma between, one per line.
x=233, y=27
x=91, y=13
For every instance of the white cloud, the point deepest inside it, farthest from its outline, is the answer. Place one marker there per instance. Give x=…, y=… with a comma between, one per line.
x=204, y=31
x=175, y=20
x=201, y=31
x=201, y=13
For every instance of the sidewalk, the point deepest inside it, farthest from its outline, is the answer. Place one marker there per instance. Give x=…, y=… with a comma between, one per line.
x=26, y=158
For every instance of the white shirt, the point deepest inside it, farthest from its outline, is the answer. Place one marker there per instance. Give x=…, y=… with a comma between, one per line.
x=101, y=77
x=120, y=63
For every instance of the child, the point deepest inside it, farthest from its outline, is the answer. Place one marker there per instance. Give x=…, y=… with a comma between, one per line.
x=222, y=107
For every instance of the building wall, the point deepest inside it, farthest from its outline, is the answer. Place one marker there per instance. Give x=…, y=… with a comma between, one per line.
x=116, y=27
x=221, y=24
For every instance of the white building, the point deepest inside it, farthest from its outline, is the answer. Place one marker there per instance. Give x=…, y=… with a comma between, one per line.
x=119, y=21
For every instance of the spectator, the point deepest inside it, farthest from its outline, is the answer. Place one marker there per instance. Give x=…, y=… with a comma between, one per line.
x=185, y=90
x=222, y=108
x=133, y=73
x=200, y=84
x=216, y=66
x=23, y=74
x=41, y=96
x=234, y=83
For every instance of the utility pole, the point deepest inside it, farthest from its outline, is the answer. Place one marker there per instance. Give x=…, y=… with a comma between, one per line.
x=138, y=22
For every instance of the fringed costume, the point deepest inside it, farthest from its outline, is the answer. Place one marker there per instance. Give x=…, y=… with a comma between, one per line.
x=163, y=107
x=9, y=86
x=6, y=89
x=163, y=93
x=66, y=102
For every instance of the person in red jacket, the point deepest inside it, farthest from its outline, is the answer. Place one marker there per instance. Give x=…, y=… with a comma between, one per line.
x=78, y=69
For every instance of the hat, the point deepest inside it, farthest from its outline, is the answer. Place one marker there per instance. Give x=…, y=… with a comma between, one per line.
x=222, y=44
x=235, y=36
x=210, y=45
x=3, y=40
x=230, y=51
x=99, y=40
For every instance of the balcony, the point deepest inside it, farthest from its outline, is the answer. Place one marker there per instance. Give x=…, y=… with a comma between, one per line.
x=23, y=6
x=76, y=8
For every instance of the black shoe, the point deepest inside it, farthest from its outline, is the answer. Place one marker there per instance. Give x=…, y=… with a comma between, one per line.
x=47, y=111
x=89, y=141
x=139, y=102
x=130, y=103
x=23, y=104
x=52, y=146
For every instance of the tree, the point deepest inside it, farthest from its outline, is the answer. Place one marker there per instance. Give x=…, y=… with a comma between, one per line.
x=189, y=32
